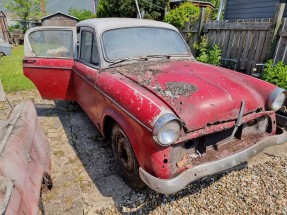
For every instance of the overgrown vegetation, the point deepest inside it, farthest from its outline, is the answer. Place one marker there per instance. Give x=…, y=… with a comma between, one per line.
x=81, y=14
x=186, y=12
x=275, y=74
x=208, y=53
x=26, y=9
x=11, y=72
x=153, y=9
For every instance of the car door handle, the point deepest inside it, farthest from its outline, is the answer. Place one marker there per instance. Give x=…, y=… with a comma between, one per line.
x=29, y=61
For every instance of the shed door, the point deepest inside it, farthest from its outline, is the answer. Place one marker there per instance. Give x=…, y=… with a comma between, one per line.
x=48, y=61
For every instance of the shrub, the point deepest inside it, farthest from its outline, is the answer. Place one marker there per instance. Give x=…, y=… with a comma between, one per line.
x=186, y=12
x=81, y=14
x=275, y=74
x=208, y=53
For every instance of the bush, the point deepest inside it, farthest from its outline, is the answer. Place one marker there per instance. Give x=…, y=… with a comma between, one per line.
x=275, y=74
x=81, y=14
x=186, y=12
x=12, y=28
x=208, y=53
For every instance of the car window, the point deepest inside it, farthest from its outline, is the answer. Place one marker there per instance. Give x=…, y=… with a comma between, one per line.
x=86, y=46
x=142, y=41
x=89, y=50
x=52, y=43
x=95, y=53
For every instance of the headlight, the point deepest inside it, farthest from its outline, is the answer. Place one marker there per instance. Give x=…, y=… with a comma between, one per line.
x=277, y=99
x=167, y=129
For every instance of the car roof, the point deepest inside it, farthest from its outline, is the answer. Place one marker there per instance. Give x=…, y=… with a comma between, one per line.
x=102, y=24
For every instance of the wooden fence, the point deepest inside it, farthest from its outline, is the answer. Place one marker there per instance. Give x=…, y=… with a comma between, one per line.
x=281, y=49
x=245, y=42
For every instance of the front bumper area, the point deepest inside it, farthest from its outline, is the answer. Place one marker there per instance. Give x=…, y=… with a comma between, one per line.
x=173, y=185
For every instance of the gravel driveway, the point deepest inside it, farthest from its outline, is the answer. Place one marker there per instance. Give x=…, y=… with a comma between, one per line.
x=86, y=181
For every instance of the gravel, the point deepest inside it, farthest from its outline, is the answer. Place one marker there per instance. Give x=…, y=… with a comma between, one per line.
x=261, y=189
x=86, y=182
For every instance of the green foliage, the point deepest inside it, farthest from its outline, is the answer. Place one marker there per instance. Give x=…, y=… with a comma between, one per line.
x=26, y=9
x=208, y=53
x=11, y=72
x=275, y=74
x=12, y=28
x=186, y=12
x=81, y=14
x=127, y=8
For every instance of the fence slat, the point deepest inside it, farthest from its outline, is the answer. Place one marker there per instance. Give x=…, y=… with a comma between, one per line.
x=252, y=49
x=259, y=48
x=262, y=26
x=226, y=43
x=230, y=44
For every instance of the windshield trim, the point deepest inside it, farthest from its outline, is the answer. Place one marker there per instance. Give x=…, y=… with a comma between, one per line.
x=113, y=61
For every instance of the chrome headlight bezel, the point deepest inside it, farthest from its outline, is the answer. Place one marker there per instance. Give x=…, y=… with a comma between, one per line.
x=161, y=123
x=273, y=99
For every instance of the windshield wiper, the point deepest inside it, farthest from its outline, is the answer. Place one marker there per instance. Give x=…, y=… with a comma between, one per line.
x=158, y=56
x=128, y=59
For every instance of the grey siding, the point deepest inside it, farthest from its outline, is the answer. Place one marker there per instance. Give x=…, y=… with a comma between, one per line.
x=246, y=9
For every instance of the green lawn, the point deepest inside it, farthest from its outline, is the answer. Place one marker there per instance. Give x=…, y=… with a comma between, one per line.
x=11, y=72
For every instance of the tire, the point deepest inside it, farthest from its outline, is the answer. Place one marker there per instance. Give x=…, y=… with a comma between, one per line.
x=125, y=158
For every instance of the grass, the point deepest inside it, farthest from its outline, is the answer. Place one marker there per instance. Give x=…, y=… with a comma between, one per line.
x=11, y=72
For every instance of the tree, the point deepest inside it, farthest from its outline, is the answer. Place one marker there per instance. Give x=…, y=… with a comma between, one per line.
x=153, y=9
x=81, y=14
x=26, y=9
x=186, y=12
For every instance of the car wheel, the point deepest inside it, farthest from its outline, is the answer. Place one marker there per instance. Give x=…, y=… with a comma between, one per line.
x=125, y=158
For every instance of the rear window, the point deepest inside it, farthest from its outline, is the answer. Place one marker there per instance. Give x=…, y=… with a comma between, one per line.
x=52, y=43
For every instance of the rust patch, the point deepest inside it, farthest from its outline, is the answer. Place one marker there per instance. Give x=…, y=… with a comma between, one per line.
x=176, y=89
x=221, y=150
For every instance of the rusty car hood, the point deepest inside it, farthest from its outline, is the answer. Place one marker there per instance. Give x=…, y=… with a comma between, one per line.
x=200, y=94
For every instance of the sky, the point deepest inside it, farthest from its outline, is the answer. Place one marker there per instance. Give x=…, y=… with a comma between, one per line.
x=54, y=6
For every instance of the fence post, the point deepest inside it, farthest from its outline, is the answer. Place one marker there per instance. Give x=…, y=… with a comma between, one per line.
x=197, y=30
x=277, y=21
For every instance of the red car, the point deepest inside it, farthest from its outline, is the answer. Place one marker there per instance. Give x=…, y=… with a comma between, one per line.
x=171, y=119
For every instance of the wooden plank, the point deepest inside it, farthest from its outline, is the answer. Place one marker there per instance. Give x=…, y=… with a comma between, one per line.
x=251, y=54
x=221, y=39
x=226, y=44
x=277, y=20
x=231, y=43
x=264, y=55
x=283, y=34
x=213, y=37
x=235, y=45
x=240, y=47
x=280, y=48
x=245, y=51
x=259, y=48
x=262, y=26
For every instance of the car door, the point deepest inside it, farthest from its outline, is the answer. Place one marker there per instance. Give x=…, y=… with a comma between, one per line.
x=86, y=70
x=48, y=61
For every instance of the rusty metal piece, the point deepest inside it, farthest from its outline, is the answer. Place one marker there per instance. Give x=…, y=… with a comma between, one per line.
x=24, y=160
x=239, y=120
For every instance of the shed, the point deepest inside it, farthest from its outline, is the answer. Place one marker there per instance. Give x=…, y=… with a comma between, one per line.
x=256, y=9
x=59, y=19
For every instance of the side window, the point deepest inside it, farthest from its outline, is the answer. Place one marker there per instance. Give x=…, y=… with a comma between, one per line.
x=95, y=53
x=89, y=50
x=86, y=46
x=52, y=43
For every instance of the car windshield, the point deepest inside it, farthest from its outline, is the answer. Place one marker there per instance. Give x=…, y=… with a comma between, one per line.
x=142, y=41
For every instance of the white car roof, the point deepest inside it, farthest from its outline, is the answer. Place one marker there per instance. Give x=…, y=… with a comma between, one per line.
x=102, y=24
